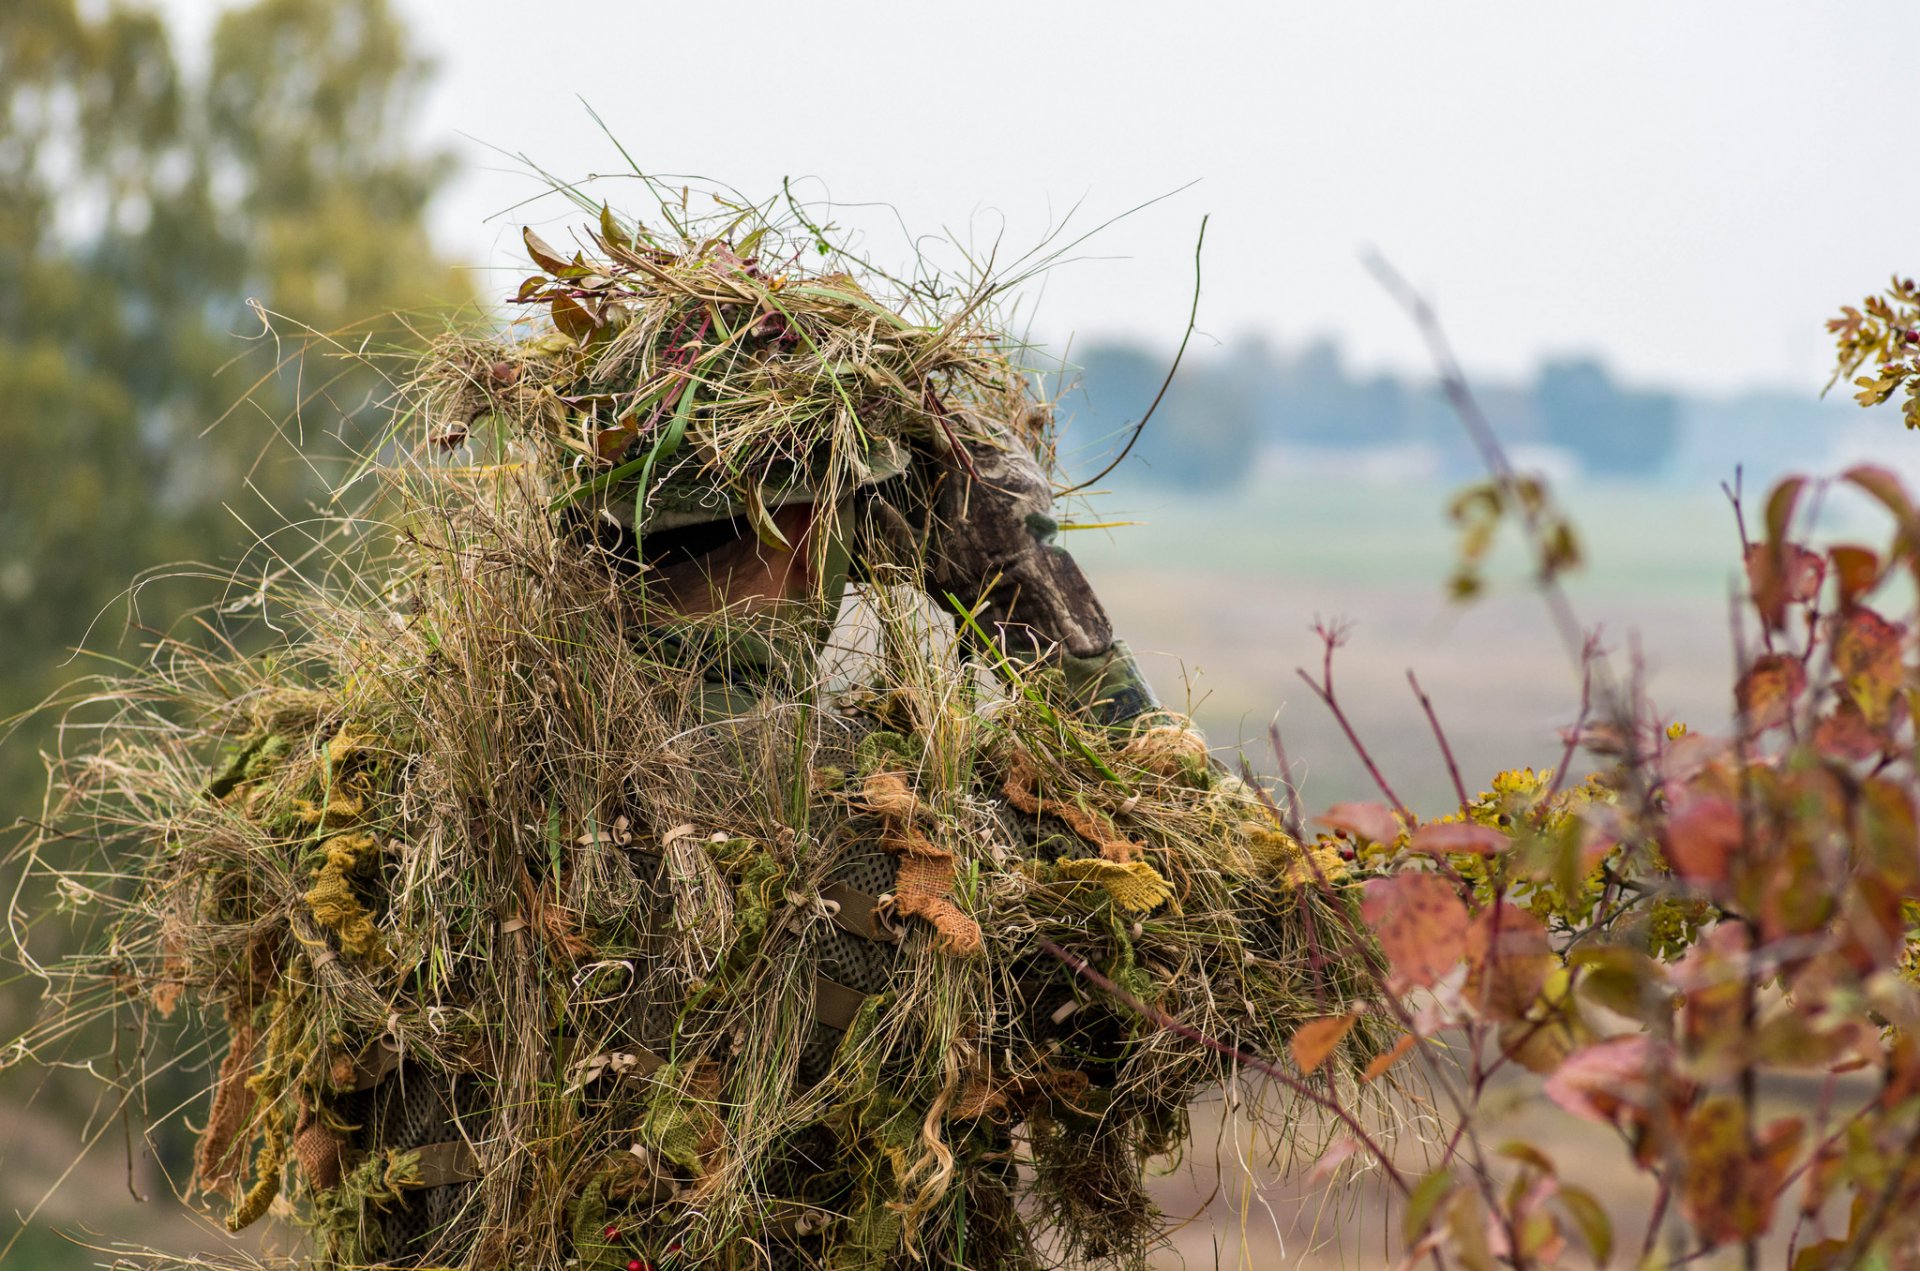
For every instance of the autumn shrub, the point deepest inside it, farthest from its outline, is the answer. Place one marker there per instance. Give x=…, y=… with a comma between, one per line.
x=1705, y=945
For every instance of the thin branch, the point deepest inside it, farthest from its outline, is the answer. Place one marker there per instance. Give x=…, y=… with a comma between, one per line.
x=1291, y=817
x=1193, y=316
x=1332, y=638
x=1453, y=382
x=1587, y=658
x=1439, y=735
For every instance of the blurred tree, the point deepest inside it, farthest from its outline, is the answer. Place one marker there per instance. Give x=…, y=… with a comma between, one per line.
x=1615, y=431
x=140, y=211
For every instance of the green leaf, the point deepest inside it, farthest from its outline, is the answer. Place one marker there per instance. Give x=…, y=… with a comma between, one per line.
x=1426, y=1197
x=610, y=231
x=1588, y=1215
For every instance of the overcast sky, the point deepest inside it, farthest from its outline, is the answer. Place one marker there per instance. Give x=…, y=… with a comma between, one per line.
x=1684, y=188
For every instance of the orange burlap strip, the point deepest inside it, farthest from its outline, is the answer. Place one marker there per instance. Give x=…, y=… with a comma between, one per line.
x=223, y=1144
x=1092, y=826
x=318, y=1147
x=924, y=887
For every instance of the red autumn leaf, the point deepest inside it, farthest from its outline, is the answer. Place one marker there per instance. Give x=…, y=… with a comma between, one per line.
x=1508, y=960
x=1420, y=923
x=1769, y=689
x=1605, y=1082
x=1362, y=820
x=1702, y=838
x=1866, y=653
x=1884, y=486
x=1458, y=838
x=1845, y=734
x=1781, y=574
x=1314, y=1040
x=1730, y=1186
x=1856, y=568
x=1780, y=504
x=1801, y=572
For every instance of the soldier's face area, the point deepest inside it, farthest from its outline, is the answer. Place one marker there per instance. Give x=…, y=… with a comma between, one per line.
x=723, y=565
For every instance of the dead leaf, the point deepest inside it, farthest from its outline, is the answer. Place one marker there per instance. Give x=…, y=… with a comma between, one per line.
x=1388, y=1058
x=1314, y=1040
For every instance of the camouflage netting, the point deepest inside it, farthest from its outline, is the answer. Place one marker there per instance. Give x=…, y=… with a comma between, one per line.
x=552, y=927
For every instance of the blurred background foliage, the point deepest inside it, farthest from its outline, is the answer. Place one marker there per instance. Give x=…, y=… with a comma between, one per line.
x=144, y=206
x=150, y=198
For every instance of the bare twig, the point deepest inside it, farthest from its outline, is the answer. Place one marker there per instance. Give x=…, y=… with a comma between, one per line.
x=1331, y=638
x=1291, y=817
x=1193, y=315
x=1453, y=382
x=1587, y=658
x=1439, y=735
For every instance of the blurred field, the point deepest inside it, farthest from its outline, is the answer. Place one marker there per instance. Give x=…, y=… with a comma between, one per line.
x=1219, y=598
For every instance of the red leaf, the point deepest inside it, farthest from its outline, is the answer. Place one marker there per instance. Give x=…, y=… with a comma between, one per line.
x=1866, y=653
x=1781, y=574
x=1730, y=1187
x=1768, y=690
x=1455, y=838
x=1363, y=820
x=1846, y=735
x=1603, y=1081
x=1856, y=568
x=1884, y=486
x=1701, y=839
x=1420, y=923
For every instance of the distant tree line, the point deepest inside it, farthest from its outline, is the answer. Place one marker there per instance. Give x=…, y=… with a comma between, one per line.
x=1224, y=411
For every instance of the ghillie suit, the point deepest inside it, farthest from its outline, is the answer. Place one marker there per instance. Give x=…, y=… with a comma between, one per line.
x=576, y=893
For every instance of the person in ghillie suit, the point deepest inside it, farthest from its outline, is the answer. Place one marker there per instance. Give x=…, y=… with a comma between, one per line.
x=591, y=883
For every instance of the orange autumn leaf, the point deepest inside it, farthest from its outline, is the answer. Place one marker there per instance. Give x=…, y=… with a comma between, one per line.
x=1767, y=692
x=1388, y=1058
x=1314, y=1040
x=1702, y=838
